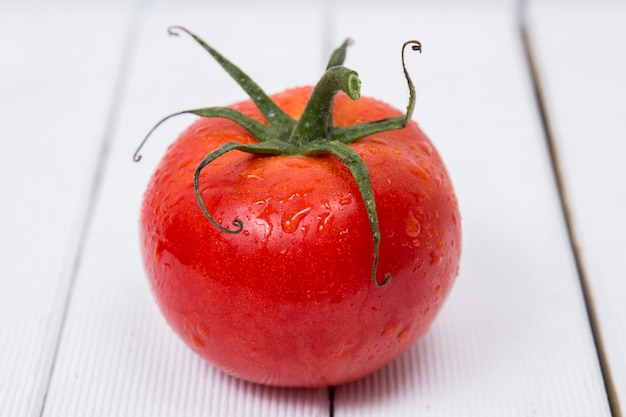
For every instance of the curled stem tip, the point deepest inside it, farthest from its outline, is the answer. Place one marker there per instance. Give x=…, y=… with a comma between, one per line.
x=172, y=30
x=316, y=120
x=225, y=148
x=385, y=282
x=137, y=156
x=352, y=133
x=415, y=46
x=353, y=89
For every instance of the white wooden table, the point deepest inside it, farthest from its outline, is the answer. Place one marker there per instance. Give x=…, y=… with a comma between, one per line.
x=535, y=144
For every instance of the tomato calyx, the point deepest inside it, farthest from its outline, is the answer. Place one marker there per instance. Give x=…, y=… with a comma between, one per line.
x=313, y=134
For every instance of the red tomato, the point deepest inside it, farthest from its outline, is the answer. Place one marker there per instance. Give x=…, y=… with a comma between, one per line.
x=290, y=299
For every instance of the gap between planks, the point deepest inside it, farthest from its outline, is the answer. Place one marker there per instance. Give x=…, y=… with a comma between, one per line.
x=563, y=199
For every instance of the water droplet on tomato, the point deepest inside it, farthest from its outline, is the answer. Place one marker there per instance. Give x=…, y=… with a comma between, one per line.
x=203, y=330
x=345, y=200
x=412, y=226
x=420, y=172
x=184, y=163
x=295, y=195
x=426, y=148
x=295, y=162
x=325, y=222
x=267, y=228
x=178, y=200
x=435, y=259
x=391, y=329
x=197, y=342
x=378, y=140
x=404, y=334
x=290, y=222
x=158, y=251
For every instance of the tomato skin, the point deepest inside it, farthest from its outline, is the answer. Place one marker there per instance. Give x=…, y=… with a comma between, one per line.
x=290, y=301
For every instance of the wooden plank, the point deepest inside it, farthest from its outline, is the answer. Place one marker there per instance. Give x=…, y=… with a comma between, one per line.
x=57, y=76
x=581, y=69
x=513, y=338
x=118, y=356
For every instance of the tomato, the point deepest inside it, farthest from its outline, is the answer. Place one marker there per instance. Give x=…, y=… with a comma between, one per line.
x=277, y=266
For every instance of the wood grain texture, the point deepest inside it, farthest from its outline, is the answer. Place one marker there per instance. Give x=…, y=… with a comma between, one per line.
x=581, y=70
x=57, y=75
x=513, y=338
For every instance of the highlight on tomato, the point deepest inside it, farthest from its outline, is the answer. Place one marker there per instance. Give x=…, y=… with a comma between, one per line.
x=301, y=239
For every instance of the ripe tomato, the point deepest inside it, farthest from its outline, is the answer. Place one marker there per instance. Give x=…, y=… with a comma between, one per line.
x=296, y=291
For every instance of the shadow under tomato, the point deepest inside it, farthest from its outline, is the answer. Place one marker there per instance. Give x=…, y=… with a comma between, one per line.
x=406, y=376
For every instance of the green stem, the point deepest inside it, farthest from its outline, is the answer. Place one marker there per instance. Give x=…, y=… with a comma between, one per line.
x=352, y=133
x=225, y=148
x=270, y=110
x=316, y=120
x=260, y=131
x=264, y=148
x=361, y=175
x=313, y=134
